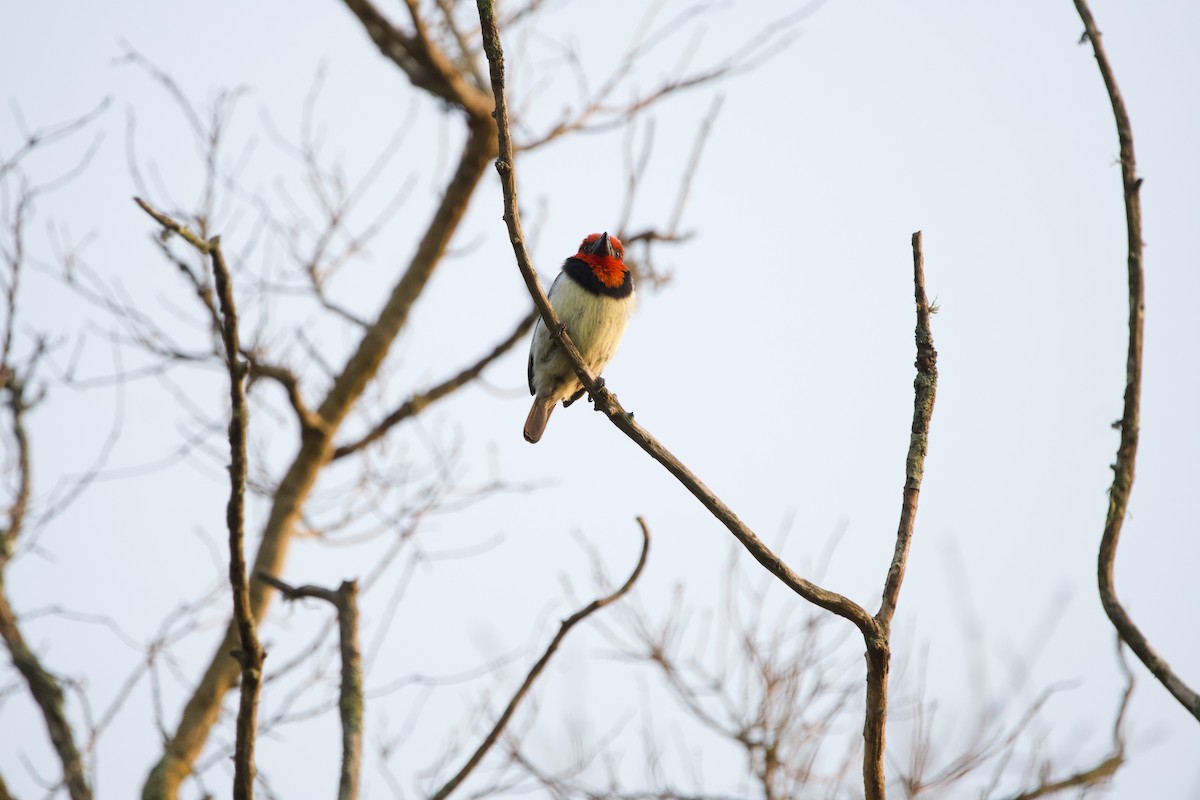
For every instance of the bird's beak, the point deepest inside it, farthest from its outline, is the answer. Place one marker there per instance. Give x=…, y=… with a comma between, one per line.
x=603, y=247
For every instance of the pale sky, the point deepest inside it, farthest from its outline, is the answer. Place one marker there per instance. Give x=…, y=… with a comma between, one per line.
x=777, y=364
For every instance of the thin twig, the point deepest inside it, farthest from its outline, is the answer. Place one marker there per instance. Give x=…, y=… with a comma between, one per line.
x=417, y=403
x=1107, y=766
x=563, y=629
x=1123, y=469
x=694, y=164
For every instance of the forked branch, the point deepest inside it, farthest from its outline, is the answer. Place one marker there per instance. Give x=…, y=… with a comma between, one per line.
x=1123, y=469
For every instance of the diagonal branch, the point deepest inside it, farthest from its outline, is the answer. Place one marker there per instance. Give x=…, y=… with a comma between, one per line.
x=605, y=400
x=48, y=694
x=417, y=403
x=421, y=59
x=1123, y=469
x=563, y=629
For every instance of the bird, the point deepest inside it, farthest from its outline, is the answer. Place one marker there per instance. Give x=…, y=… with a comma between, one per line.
x=593, y=297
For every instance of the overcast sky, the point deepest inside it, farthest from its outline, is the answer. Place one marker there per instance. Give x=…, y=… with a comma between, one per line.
x=777, y=363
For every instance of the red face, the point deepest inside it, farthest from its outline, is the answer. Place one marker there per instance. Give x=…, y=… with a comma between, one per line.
x=593, y=245
x=603, y=253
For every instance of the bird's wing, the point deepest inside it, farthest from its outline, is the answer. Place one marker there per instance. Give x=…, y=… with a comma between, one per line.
x=533, y=346
x=541, y=336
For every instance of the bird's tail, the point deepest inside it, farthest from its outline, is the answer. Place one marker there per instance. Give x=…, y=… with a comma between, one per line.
x=539, y=415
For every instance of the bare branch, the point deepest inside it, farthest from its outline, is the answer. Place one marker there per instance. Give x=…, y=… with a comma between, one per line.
x=295, y=487
x=565, y=628
x=417, y=403
x=189, y=236
x=290, y=383
x=1108, y=766
x=250, y=655
x=694, y=164
x=48, y=694
x=605, y=400
x=760, y=48
x=879, y=649
x=1123, y=469
x=421, y=59
x=46, y=135
x=467, y=56
x=45, y=688
x=350, y=699
x=925, y=392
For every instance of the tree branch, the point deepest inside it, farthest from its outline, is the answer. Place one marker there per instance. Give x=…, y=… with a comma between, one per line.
x=417, y=403
x=204, y=706
x=1108, y=766
x=250, y=655
x=48, y=694
x=16, y=375
x=924, y=394
x=350, y=698
x=879, y=648
x=605, y=400
x=563, y=629
x=421, y=59
x=1123, y=469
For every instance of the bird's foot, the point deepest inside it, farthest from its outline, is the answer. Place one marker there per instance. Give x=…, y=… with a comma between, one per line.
x=598, y=394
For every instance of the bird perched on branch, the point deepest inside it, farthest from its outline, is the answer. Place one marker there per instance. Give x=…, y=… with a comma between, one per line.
x=593, y=298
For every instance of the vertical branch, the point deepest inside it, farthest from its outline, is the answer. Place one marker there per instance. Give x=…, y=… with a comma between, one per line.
x=1123, y=469
x=879, y=649
x=350, y=697
x=924, y=394
x=251, y=653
